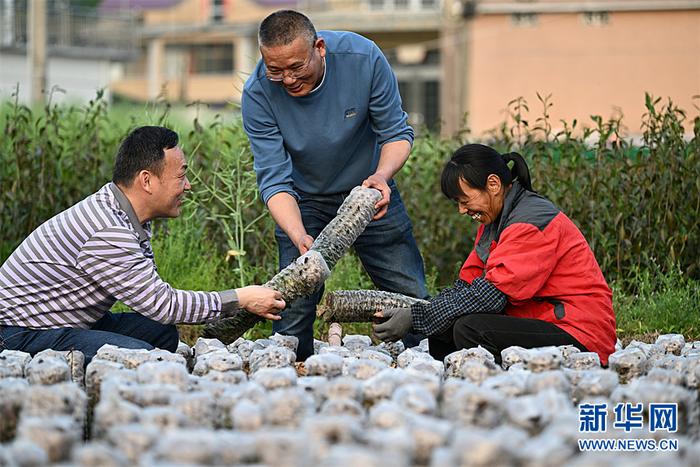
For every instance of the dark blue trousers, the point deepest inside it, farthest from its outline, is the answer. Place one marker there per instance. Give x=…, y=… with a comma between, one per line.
x=128, y=330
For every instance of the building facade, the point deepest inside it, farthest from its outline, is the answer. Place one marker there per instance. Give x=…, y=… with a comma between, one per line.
x=83, y=51
x=592, y=58
x=458, y=62
x=204, y=51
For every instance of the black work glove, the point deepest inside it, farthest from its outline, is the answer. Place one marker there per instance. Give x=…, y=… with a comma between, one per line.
x=398, y=325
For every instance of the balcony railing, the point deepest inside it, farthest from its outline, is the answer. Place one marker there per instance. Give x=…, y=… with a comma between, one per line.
x=71, y=30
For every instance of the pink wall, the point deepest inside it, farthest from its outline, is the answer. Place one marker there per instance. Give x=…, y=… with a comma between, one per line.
x=588, y=69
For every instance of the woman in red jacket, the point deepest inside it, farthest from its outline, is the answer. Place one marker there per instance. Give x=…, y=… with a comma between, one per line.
x=531, y=279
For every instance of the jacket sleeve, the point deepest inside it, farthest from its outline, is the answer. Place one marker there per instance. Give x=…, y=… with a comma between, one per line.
x=522, y=261
x=461, y=299
x=388, y=119
x=271, y=161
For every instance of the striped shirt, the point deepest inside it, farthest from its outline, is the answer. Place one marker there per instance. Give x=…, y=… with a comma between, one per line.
x=75, y=266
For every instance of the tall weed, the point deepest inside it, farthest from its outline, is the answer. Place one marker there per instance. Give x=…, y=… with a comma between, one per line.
x=225, y=197
x=52, y=157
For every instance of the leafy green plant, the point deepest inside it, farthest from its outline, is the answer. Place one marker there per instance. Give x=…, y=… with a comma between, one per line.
x=443, y=236
x=185, y=262
x=51, y=158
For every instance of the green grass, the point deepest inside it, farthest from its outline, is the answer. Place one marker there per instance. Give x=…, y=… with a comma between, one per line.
x=187, y=261
x=664, y=303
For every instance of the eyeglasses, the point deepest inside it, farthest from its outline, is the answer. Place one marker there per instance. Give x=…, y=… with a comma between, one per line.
x=297, y=72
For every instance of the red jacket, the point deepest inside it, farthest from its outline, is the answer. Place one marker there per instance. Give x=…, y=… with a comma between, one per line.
x=540, y=260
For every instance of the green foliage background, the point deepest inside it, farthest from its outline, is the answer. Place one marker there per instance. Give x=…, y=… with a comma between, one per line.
x=638, y=204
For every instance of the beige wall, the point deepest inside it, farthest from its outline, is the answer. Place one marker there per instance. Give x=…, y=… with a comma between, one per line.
x=205, y=88
x=245, y=11
x=185, y=12
x=131, y=88
x=587, y=69
x=191, y=12
x=388, y=41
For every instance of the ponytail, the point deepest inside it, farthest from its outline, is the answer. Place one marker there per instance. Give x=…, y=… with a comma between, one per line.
x=520, y=170
x=473, y=163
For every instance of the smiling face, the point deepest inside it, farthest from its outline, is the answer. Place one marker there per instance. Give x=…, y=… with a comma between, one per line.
x=295, y=66
x=482, y=205
x=170, y=186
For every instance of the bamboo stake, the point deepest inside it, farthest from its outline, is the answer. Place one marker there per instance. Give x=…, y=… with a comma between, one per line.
x=335, y=334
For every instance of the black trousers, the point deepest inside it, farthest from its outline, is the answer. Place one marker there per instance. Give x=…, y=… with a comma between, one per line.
x=496, y=332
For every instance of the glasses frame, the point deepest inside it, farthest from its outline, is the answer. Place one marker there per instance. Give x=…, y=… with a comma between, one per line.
x=299, y=73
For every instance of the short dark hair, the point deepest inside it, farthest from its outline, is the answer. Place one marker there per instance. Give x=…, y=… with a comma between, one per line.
x=143, y=149
x=473, y=163
x=283, y=27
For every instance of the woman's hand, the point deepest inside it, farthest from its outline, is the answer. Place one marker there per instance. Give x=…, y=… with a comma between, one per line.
x=399, y=323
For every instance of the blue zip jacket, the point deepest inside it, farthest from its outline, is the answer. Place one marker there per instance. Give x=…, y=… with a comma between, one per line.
x=329, y=141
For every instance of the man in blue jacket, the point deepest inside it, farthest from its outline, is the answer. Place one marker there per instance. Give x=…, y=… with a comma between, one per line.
x=323, y=115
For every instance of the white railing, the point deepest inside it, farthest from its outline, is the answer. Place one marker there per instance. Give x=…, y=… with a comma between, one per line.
x=69, y=27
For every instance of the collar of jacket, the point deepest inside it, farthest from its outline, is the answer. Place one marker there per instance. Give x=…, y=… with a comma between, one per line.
x=126, y=206
x=492, y=232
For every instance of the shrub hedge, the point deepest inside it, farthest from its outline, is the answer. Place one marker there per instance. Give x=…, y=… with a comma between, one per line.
x=638, y=203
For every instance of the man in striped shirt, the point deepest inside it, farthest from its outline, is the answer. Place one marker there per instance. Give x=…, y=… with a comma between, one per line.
x=57, y=287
